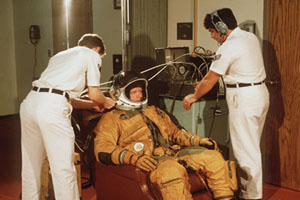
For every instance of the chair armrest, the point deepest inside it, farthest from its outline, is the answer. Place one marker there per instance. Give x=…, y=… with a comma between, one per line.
x=113, y=182
x=197, y=182
x=125, y=171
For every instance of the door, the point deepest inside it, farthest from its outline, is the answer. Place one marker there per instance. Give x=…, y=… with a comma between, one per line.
x=281, y=142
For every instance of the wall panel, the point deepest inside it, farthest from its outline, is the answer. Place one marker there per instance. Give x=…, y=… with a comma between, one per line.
x=282, y=136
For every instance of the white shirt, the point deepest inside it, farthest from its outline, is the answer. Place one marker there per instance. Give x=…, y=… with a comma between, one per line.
x=72, y=70
x=240, y=59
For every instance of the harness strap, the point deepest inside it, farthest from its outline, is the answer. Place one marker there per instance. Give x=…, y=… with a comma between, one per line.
x=157, y=137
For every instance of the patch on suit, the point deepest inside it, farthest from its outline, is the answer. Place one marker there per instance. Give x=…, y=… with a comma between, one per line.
x=217, y=57
x=138, y=146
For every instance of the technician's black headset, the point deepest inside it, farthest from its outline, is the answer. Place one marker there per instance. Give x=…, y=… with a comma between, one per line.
x=220, y=26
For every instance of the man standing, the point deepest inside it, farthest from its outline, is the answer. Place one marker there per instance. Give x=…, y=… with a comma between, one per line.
x=45, y=116
x=239, y=61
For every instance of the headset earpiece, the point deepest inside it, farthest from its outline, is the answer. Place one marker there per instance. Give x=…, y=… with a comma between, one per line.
x=220, y=26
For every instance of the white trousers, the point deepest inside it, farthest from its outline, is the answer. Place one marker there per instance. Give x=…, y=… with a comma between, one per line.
x=248, y=107
x=46, y=131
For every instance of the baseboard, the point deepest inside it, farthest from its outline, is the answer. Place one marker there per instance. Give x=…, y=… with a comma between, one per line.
x=10, y=117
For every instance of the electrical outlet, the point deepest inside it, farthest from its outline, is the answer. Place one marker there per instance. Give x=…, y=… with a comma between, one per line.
x=117, y=63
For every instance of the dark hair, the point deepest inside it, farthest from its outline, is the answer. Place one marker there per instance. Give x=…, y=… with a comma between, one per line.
x=225, y=14
x=91, y=40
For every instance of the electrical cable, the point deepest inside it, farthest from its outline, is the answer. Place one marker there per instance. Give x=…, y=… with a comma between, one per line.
x=186, y=54
x=189, y=63
x=178, y=92
x=163, y=70
x=169, y=63
x=77, y=145
x=224, y=87
x=204, y=61
x=165, y=65
x=198, y=118
x=198, y=47
x=206, y=67
x=216, y=110
x=83, y=150
x=214, y=117
x=35, y=61
x=154, y=67
x=88, y=183
x=105, y=83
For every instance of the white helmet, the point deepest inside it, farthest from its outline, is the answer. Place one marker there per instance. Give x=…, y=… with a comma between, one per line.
x=123, y=82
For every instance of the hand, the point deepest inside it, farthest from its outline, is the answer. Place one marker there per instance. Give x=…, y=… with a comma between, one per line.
x=188, y=100
x=206, y=141
x=146, y=163
x=109, y=103
x=98, y=108
x=209, y=143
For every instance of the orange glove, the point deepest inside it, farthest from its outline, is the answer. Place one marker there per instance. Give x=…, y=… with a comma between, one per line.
x=205, y=142
x=145, y=162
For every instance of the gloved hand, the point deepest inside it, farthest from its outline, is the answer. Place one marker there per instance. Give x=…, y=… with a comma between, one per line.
x=146, y=162
x=209, y=143
x=206, y=142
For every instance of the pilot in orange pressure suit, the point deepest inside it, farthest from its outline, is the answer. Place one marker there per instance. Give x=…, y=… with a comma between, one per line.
x=145, y=137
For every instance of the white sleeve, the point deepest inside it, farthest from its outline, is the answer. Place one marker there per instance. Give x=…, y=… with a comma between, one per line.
x=222, y=60
x=93, y=70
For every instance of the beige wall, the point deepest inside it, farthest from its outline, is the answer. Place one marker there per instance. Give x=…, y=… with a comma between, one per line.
x=183, y=11
x=17, y=53
x=8, y=83
x=179, y=11
x=26, y=13
x=107, y=23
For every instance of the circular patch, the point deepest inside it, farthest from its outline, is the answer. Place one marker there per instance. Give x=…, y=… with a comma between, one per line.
x=138, y=146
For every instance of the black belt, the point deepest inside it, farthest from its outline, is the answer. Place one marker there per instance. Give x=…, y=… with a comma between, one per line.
x=55, y=91
x=243, y=84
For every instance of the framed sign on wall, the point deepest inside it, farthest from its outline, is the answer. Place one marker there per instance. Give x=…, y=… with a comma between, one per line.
x=117, y=4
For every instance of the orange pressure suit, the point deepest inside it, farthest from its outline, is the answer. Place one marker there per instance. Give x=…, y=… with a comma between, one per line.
x=124, y=136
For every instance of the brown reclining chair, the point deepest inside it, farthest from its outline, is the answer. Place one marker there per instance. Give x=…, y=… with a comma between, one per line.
x=130, y=183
